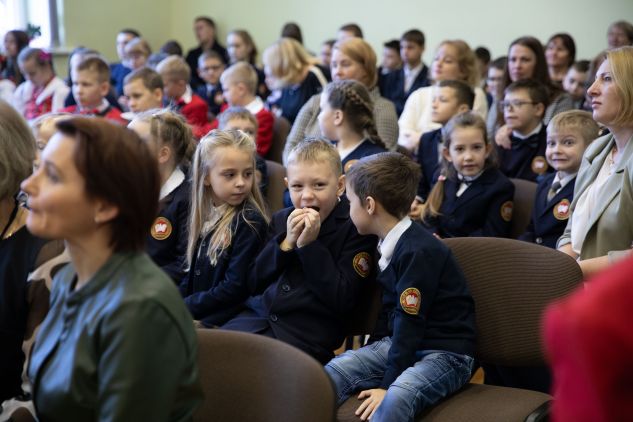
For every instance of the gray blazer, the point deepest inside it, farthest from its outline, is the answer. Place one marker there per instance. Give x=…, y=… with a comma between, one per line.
x=611, y=227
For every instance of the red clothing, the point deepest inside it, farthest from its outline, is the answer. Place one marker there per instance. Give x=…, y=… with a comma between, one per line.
x=265, y=121
x=33, y=109
x=110, y=113
x=589, y=340
x=195, y=112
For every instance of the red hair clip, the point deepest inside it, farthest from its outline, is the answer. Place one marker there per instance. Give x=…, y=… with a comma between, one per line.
x=44, y=56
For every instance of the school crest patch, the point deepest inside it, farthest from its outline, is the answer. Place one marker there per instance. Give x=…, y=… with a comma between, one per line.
x=410, y=301
x=362, y=264
x=539, y=164
x=506, y=211
x=161, y=228
x=349, y=165
x=561, y=210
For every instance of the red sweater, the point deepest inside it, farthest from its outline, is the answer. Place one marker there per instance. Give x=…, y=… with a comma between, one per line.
x=195, y=112
x=110, y=113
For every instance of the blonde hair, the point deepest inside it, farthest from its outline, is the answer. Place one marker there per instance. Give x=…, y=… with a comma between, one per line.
x=466, y=60
x=241, y=72
x=167, y=127
x=431, y=208
x=316, y=150
x=621, y=62
x=174, y=68
x=577, y=120
x=138, y=46
x=201, y=202
x=17, y=150
x=287, y=61
x=358, y=50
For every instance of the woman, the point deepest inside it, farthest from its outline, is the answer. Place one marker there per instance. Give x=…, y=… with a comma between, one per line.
x=453, y=60
x=560, y=54
x=600, y=229
x=26, y=262
x=241, y=47
x=294, y=74
x=526, y=60
x=118, y=342
x=14, y=42
x=352, y=59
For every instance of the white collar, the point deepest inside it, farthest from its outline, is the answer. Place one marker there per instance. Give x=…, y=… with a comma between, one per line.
x=412, y=71
x=49, y=90
x=174, y=180
x=186, y=97
x=564, y=180
x=388, y=244
x=100, y=108
x=534, y=132
x=255, y=106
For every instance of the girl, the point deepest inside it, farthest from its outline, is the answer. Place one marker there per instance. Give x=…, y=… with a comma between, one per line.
x=454, y=60
x=227, y=226
x=42, y=92
x=14, y=42
x=472, y=197
x=171, y=142
x=347, y=118
x=241, y=47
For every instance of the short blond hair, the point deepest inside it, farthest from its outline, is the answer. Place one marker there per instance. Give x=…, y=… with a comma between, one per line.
x=174, y=68
x=287, y=60
x=241, y=73
x=17, y=150
x=577, y=120
x=316, y=150
x=138, y=46
x=621, y=62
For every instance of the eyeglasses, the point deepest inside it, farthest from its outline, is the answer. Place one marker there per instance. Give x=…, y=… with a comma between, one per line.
x=514, y=104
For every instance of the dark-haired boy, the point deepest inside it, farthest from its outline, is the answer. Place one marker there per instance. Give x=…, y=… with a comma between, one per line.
x=524, y=104
x=425, y=335
x=398, y=85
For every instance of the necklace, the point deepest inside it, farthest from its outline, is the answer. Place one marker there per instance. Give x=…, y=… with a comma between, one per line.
x=11, y=218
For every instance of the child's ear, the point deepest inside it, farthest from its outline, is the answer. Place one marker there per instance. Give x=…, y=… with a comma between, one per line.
x=104, y=88
x=164, y=154
x=286, y=182
x=207, y=179
x=340, y=186
x=370, y=205
x=446, y=154
x=539, y=109
x=158, y=94
x=338, y=116
x=462, y=108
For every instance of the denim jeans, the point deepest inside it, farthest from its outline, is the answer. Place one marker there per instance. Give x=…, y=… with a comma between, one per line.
x=435, y=375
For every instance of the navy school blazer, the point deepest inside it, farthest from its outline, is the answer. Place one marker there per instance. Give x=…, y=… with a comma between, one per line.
x=484, y=209
x=428, y=159
x=303, y=296
x=526, y=158
x=392, y=86
x=549, y=218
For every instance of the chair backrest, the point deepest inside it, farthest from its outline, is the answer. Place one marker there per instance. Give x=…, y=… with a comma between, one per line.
x=276, y=186
x=248, y=377
x=524, y=193
x=281, y=129
x=512, y=282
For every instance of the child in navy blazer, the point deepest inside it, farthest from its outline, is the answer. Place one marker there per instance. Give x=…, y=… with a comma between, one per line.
x=169, y=136
x=227, y=226
x=568, y=135
x=472, y=197
x=425, y=334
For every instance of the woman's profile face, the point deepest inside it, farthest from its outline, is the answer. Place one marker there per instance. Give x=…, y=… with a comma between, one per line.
x=606, y=102
x=59, y=206
x=343, y=68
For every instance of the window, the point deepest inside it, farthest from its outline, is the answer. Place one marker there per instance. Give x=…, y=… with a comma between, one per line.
x=18, y=14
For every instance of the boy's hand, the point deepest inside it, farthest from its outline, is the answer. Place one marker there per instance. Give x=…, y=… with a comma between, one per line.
x=416, y=210
x=502, y=137
x=373, y=398
x=294, y=227
x=311, y=227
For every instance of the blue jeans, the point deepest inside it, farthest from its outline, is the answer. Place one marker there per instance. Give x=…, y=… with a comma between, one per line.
x=436, y=375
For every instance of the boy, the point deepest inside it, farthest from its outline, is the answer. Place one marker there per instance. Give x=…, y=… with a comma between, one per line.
x=143, y=89
x=391, y=60
x=575, y=81
x=239, y=118
x=239, y=85
x=91, y=84
x=310, y=272
x=176, y=74
x=450, y=98
x=210, y=68
x=568, y=135
x=523, y=105
x=398, y=85
x=425, y=334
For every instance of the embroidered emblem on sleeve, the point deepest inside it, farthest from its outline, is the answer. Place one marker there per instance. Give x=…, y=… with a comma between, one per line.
x=362, y=264
x=161, y=228
x=561, y=210
x=349, y=165
x=506, y=211
x=539, y=165
x=410, y=301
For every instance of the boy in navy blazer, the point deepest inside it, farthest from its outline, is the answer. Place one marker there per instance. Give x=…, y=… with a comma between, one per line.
x=568, y=135
x=309, y=274
x=425, y=335
x=399, y=84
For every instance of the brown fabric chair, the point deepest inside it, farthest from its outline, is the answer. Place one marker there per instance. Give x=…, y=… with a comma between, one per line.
x=524, y=193
x=276, y=186
x=248, y=377
x=512, y=282
x=281, y=129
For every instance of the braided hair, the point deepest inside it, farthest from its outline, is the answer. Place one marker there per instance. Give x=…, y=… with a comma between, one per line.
x=353, y=99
